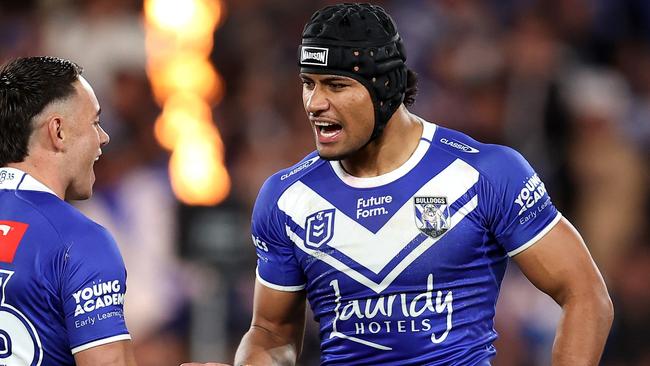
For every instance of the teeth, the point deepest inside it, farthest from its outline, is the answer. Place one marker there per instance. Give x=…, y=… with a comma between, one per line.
x=323, y=124
x=328, y=134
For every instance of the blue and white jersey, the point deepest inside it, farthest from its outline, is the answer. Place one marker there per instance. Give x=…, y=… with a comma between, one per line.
x=403, y=268
x=62, y=278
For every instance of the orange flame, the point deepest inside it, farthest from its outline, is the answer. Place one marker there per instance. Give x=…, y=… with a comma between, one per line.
x=185, y=84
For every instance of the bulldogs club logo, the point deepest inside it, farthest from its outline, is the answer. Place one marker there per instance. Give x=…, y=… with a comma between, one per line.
x=319, y=228
x=432, y=215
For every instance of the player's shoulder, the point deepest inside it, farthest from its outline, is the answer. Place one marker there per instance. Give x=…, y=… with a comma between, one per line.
x=280, y=181
x=489, y=159
x=67, y=221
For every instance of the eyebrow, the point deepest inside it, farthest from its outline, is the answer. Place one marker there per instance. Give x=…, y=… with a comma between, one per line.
x=99, y=111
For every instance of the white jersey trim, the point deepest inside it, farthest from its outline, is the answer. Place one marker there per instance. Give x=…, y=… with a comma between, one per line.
x=378, y=287
x=536, y=238
x=428, y=130
x=278, y=287
x=452, y=182
x=100, y=342
x=12, y=178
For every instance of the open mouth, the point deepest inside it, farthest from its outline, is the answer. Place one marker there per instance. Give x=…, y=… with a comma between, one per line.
x=328, y=129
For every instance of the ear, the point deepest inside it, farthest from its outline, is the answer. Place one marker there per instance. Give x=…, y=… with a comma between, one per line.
x=55, y=132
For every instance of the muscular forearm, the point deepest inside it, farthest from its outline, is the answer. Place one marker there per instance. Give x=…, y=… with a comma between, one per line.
x=583, y=330
x=261, y=347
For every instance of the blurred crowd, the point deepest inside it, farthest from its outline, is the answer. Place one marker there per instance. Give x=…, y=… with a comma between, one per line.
x=565, y=82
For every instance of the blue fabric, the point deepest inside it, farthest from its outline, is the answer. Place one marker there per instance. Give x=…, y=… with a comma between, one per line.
x=65, y=286
x=408, y=271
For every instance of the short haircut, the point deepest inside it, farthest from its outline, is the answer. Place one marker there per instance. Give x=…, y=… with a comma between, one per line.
x=27, y=86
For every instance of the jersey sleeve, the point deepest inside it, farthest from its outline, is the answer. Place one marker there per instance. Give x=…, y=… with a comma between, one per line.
x=521, y=208
x=93, y=290
x=277, y=266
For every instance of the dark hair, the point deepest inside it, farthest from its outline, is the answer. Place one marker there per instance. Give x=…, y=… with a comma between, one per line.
x=411, y=87
x=27, y=86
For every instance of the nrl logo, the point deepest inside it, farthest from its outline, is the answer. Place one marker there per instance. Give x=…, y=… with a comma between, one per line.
x=432, y=215
x=319, y=228
x=314, y=56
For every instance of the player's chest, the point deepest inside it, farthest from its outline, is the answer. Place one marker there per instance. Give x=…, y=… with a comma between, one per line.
x=378, y=259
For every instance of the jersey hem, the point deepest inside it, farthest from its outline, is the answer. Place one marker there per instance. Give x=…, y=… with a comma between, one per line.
x=536, y=237
x=100, y=342
x=278, y=287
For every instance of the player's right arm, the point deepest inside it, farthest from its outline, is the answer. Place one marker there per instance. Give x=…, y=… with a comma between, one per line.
x=113, y=354
x=277, y=329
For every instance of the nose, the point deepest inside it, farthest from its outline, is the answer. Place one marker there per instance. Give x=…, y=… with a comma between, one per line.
x=316, y=100
x=104, y=138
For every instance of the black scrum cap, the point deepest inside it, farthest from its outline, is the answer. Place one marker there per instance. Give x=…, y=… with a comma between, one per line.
x=359, y=41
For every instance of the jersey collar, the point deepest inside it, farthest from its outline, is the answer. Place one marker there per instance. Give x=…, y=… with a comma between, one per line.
x=16, y=179
x=428, y=131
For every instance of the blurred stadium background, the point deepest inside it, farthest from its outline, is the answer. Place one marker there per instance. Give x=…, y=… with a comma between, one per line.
x=202, y=101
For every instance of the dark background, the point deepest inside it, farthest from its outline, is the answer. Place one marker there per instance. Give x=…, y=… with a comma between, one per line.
x=566, y=82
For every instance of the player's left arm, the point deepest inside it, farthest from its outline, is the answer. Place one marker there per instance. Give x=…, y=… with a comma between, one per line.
x=560, y=265
x=112, y=354
x=93, y=287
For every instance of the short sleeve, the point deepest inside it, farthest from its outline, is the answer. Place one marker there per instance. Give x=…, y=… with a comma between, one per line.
x=277, y=265
x=521, y=208
x=93, y=290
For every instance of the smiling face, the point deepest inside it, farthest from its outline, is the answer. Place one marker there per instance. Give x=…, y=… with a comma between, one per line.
x=85, y=137
x=341, y=113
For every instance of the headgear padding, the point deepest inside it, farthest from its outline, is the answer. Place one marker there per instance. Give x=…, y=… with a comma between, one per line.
x=359, y=41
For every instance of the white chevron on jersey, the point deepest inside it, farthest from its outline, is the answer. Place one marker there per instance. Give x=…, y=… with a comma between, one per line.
x=379, y=287
x=355, y=241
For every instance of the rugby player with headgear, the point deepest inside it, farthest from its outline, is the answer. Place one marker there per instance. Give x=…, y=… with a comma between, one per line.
x=397, y=230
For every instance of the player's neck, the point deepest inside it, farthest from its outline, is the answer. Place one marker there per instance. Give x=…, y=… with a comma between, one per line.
x=390, y=150
x=44, y=172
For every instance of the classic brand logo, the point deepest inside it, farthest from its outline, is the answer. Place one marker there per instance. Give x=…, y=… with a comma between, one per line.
x=459, y=145
x=320, y=228
x=432, y=215
x=314, y=56
x=300, y=168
